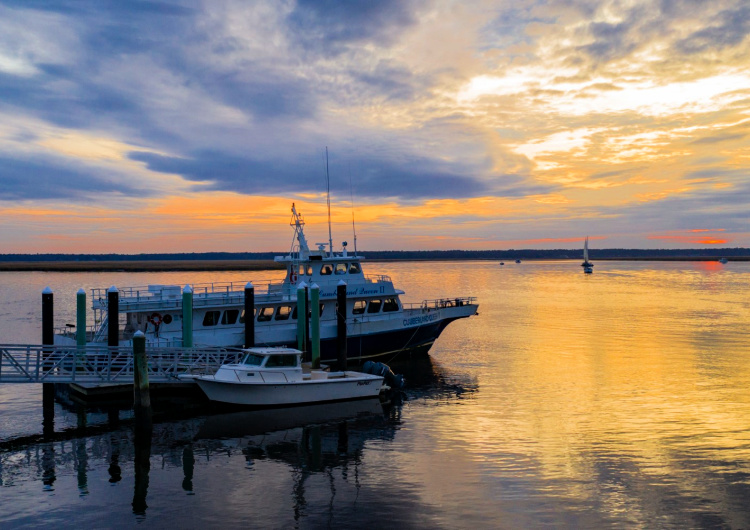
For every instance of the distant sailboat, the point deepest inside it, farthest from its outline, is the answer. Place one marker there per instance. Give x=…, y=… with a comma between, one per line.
x=588, y=267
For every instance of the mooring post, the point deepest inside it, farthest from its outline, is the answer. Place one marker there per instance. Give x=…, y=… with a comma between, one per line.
x=113, y=316
x=81, y=318
x=302, y=317
x=187, y=317
x=249, y=315
x=48, y=339
x=341, y=324
x=315, y=324
x=141, y=395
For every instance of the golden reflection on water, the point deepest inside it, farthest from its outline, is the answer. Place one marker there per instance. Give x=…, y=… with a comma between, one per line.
x=622, y=388
x=619, y=397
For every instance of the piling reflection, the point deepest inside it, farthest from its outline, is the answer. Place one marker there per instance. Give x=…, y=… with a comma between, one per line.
x=143, y=432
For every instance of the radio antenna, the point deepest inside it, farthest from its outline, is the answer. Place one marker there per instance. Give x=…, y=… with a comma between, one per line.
x=351, y=198
x=328, y=193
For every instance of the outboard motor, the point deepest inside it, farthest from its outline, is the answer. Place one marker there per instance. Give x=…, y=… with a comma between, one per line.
x=392, y=380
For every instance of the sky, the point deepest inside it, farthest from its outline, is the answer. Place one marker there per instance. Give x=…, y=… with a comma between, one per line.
x=190, y=126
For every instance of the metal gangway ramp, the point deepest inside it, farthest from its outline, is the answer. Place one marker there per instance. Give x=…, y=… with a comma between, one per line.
x=20, y=363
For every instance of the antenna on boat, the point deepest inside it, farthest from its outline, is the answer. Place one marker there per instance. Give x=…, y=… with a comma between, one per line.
x=351, y=197
x=328, y=192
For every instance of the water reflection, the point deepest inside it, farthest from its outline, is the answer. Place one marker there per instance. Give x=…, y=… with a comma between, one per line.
x=621, y=399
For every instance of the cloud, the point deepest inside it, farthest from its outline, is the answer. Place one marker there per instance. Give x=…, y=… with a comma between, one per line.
x=40, y=179
x=332, y=27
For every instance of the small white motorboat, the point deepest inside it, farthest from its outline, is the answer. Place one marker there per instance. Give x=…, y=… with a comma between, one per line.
x=275, y=376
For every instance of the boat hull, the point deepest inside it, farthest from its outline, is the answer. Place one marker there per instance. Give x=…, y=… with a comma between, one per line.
x=357, y=386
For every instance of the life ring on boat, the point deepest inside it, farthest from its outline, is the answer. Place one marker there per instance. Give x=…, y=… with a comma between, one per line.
x=155, y=319
x=293, y=277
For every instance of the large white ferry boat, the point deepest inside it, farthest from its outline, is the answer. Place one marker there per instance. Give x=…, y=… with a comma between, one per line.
x=378, y=323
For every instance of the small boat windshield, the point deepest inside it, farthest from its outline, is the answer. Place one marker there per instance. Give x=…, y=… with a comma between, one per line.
x=282, y=361
x=252, y=359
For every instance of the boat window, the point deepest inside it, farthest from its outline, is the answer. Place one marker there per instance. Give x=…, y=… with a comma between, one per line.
x=359, y=307
x=283, y=312
x=294, y=313
x=265, y=314
x=281, y=361
x=390, y=304
x=374, y=306
x=230, y=316
x=167, y=319
x=242, y=315
x=354, y=268
x=309, y=311
x=301, y=269
x=341, y=268
x=309, y=270
x=253, y=359
x=211, y=318
x=326, y=270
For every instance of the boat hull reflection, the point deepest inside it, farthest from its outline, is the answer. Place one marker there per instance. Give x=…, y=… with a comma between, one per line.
x=262, y=421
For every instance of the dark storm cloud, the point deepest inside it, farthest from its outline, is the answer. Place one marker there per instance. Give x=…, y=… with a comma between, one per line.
x=49, y=179
x=410, y=178
x=330, y=26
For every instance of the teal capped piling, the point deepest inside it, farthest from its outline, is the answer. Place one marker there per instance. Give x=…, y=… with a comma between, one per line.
x=315, y=324
x=301, y=316
x=187, y=317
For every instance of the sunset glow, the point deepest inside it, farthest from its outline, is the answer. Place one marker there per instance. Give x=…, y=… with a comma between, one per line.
x=193, y=127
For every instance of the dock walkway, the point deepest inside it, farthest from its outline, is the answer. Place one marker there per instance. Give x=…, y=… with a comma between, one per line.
x=21, y=363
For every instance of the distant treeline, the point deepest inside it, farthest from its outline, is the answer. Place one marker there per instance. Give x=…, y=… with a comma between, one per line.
x=605, y=253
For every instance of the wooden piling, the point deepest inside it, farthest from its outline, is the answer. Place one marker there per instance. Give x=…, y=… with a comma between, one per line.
x=341, y=324
x=249, y=315
x=187, y=317
x=48, y=339
x=81, y=318
x=302, y=317
x=113, y=316
x=141, y=395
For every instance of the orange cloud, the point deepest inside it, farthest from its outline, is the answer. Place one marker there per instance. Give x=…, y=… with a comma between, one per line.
x=703, y=240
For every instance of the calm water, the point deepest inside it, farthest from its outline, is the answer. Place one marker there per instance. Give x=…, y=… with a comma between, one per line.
x=620, y=399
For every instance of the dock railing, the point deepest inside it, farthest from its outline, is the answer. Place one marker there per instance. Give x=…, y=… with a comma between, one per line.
x=103, y=364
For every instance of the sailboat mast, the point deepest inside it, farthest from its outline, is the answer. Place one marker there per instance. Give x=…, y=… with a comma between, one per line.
x=351, y=197
x=328, y=193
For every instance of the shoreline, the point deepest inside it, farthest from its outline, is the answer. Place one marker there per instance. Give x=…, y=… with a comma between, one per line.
x=261, y=265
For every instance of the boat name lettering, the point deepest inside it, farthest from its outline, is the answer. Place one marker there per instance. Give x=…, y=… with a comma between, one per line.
x=355, y=292
x=421, y=319
x=363, y=383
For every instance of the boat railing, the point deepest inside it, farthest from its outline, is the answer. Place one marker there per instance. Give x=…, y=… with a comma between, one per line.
x=440, y=303
x=170, y=296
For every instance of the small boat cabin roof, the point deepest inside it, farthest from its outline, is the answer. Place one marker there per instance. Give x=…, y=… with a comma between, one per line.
x=272, y=351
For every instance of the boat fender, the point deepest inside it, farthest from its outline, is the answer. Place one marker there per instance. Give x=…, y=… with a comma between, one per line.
x=383, y=370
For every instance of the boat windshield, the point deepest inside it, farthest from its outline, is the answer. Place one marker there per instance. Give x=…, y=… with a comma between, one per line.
x=252, y=359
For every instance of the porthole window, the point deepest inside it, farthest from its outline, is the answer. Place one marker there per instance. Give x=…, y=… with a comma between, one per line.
x=167, y=319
